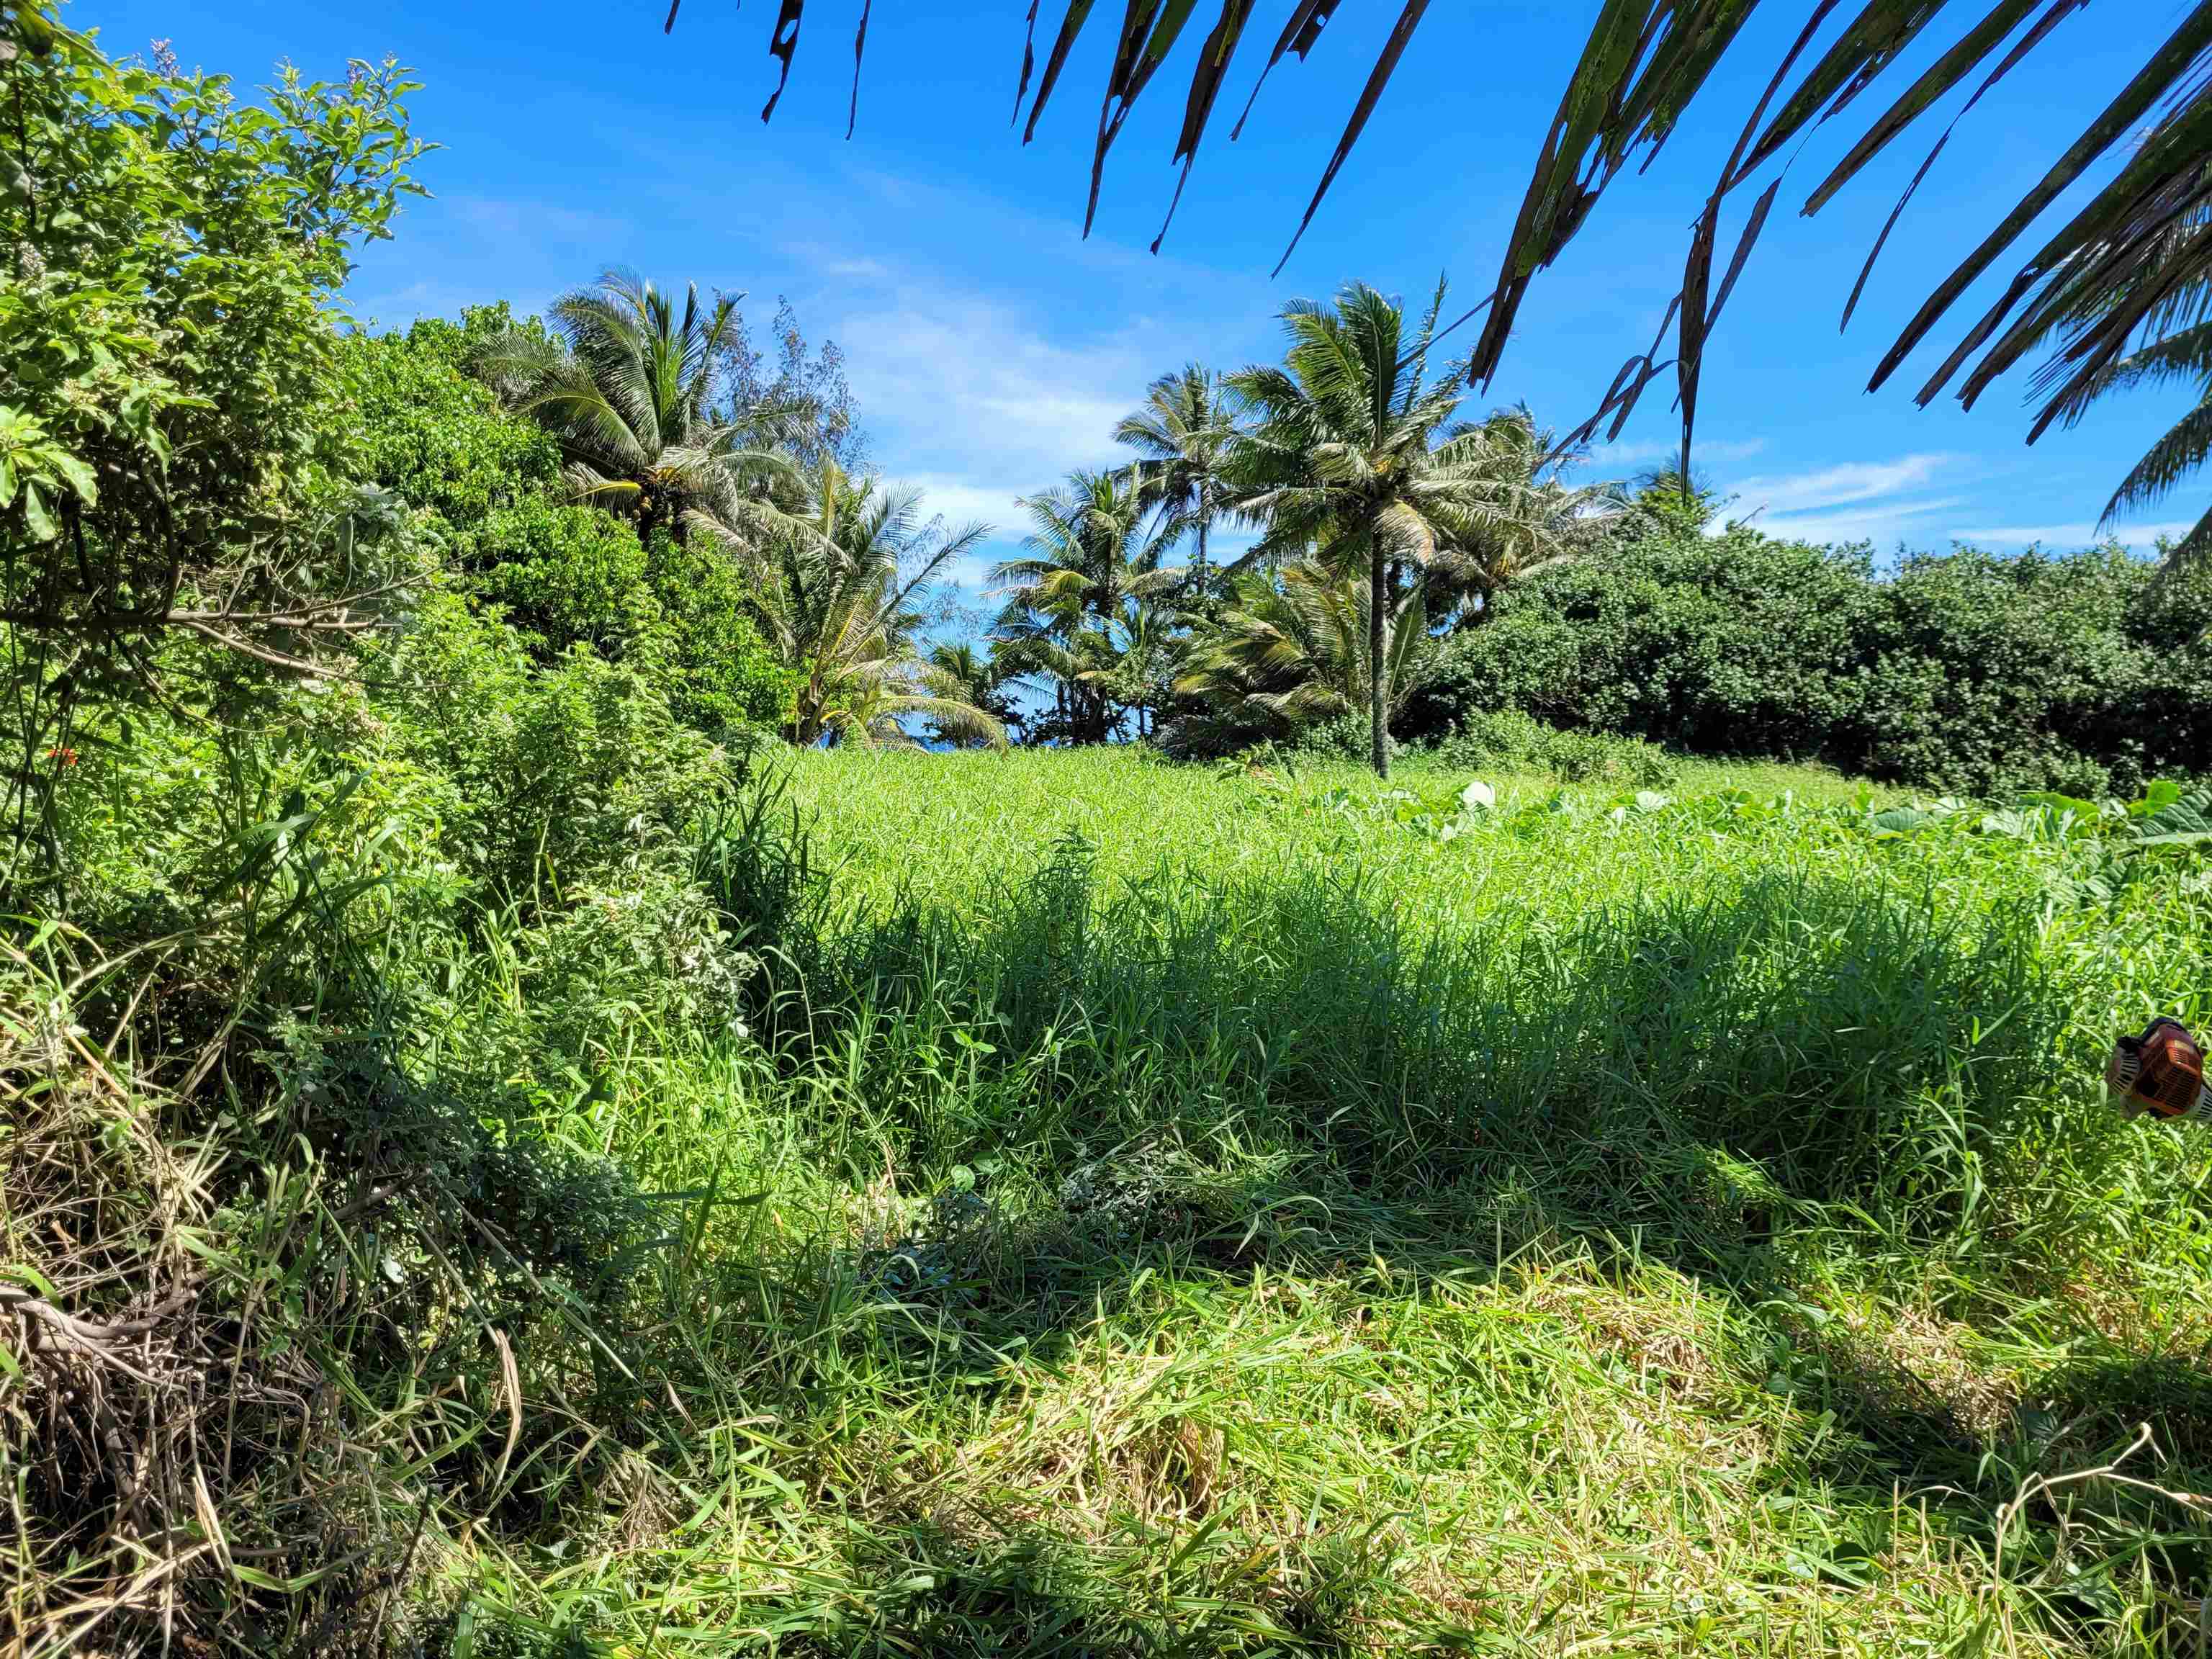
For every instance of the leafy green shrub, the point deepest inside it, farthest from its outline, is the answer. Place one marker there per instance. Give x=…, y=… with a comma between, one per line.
x=1341, y=737
x=566, y=575
x=437, y=437
x=1508, y=739
x=1736, y=644
x=167, y=349
x=708, y=653
x=1964, y=670
x=1985, y=674
x=552, y=776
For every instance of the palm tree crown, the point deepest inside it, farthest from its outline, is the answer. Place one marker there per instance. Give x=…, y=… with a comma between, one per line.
x=1181, y=435
x=1074, y=601
x=1352, y=457
x=841, y=592
x=1291, y=652
x=628, y=385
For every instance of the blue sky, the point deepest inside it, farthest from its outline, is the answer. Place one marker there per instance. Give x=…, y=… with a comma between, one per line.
x=992, y=348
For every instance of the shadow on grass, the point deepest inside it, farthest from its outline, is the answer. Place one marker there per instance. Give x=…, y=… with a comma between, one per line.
x=1191, y=1079
x=927, y=1587
x=1293, y=1056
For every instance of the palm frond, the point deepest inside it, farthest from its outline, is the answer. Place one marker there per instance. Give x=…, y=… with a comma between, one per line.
x=2179, y=451
x=2098, y=285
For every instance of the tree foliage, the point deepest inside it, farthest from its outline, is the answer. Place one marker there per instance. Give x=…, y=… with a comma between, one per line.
x=1353, y=457
x=843, y=590
x=166, y=347
x=174, y=461
x=1965, y=671
x=1081, y=597
x=490, y=495
x=637, y=393
x=1181, y=434
x=1290, y=651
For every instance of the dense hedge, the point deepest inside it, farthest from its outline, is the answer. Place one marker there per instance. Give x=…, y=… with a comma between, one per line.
x=1964, y=670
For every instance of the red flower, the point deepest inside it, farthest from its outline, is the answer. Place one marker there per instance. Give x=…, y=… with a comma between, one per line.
x=62, y=757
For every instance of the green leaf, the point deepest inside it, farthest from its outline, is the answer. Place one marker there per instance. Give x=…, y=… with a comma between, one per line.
x=23, y=1273
x=35, y=515
x=77, y=474
x=2158, y=794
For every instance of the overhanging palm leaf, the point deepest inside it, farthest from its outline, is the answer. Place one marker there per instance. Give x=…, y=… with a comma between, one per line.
x=2098, y=283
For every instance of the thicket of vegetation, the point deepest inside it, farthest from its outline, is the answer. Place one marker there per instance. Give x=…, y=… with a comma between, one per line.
x=503, y=1154
x=1964, y=670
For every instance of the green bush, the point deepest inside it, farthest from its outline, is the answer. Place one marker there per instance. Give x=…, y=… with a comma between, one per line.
x=1342, y=737
x=565, y=572
x=1509, y=740
x=566, y=575
x=544, y=777
x=1984, y=674
x=719, y=673
x=1965, y=671
x=1730, y=644
x=439, y=438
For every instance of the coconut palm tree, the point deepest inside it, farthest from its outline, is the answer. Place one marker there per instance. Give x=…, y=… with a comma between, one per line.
x=1293, y=652
x=981, y=677
x=1180, y=435
x=1535, y=517
x=630, y=385
x=841, y=588
x=1352, y=452
x=1679, y=500
x=1072, y=601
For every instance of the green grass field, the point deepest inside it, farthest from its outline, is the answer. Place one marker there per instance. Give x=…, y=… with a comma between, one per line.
x=1162, y=1211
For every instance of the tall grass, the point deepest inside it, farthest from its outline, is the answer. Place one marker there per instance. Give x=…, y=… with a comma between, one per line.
x=1200, y=1214
x=1131, y=1209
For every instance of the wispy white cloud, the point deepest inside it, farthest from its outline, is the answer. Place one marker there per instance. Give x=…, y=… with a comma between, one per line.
x=1852, y=501
x=1838, y=486
x=2079, y=533
x=1879, y=523
x=961, y=502
x=976, y=405
x=1613, y=458
x=968, y=381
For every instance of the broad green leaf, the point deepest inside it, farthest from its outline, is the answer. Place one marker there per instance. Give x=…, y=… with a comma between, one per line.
x=35, y=515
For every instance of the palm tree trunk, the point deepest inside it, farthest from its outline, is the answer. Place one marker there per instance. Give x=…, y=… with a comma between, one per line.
x=1200, y=577
x=1378, y=690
